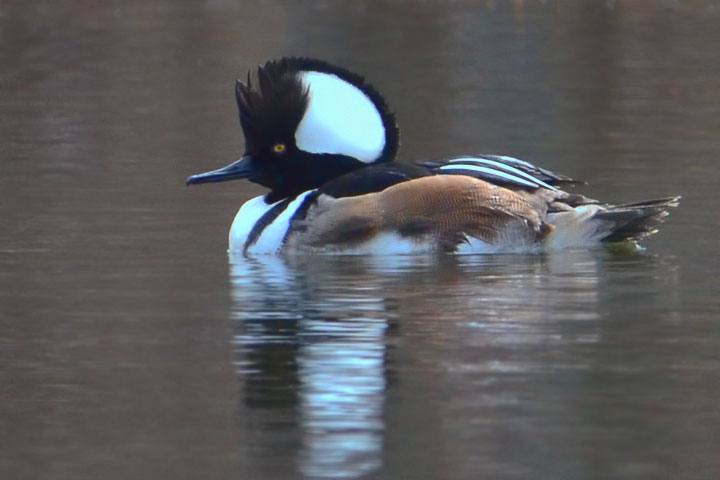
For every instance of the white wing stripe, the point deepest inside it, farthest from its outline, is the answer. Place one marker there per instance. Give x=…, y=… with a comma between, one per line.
x=472, y=160
x=514, y=160
x=497, y=173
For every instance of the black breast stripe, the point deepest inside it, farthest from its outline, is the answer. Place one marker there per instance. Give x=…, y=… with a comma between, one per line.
x=267, y=218
x=300, y=214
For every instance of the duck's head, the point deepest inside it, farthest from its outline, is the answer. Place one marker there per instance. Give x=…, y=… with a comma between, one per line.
x=307, y=122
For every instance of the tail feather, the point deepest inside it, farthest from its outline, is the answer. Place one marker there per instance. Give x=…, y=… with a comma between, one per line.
x=634, y=221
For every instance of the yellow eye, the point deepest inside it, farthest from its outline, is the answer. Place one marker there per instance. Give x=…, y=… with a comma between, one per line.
x=279, y=147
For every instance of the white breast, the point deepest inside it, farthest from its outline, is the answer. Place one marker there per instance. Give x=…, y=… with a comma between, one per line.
x=270, y=240
x=245, y=219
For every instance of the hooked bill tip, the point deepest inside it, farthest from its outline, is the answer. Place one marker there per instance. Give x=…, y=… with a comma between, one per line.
x=191, y=180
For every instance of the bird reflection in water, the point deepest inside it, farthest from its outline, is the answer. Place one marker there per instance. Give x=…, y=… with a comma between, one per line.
x=315, y=352
x=318, y=338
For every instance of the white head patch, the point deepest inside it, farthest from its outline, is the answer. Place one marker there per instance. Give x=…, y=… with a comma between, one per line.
x=340, y=118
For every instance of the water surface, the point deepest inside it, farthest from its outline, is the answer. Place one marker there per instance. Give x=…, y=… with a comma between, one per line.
x=133, y=346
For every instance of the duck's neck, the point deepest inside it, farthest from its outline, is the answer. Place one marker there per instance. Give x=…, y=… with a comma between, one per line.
x=310, y=171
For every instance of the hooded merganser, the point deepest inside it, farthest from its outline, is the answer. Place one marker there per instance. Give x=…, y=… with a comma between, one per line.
x=323, y=141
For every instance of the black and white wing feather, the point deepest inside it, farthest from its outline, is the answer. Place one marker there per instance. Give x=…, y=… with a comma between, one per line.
x=500, y=170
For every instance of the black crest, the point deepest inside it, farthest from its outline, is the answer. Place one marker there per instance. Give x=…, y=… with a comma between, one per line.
x=272, y=105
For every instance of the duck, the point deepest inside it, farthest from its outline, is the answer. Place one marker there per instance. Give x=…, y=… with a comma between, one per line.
x=324, y=142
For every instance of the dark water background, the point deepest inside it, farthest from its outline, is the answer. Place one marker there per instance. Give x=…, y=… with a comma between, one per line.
x=131, y=346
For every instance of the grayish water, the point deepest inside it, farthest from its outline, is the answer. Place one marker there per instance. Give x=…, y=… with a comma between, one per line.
x=131, y=346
